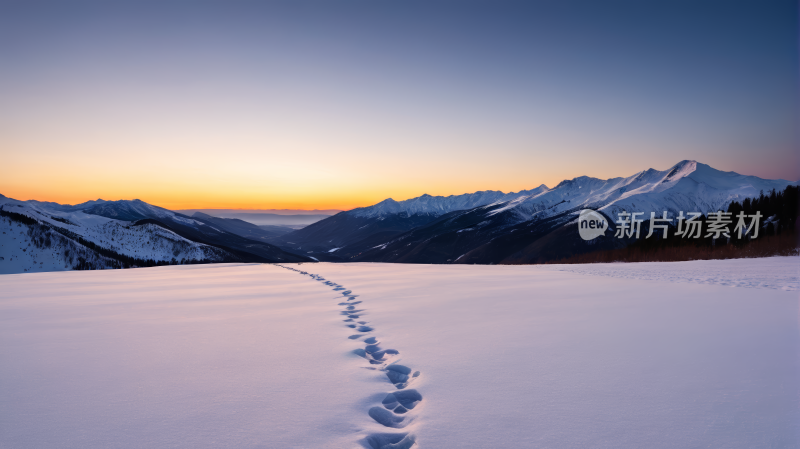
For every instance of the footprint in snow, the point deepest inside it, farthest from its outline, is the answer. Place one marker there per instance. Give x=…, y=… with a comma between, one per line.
x=350, y=311
x=387, y=418
x=378, y=355
x=390, y=441
x=363, y=354
x=402, y=401
x=374, y=353
x=395, y=406
x=400, y=375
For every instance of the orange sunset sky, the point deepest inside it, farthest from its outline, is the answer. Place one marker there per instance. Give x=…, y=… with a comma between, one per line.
x=275, y=106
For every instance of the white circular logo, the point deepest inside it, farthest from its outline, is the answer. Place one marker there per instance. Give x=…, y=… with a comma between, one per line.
x=591, y=224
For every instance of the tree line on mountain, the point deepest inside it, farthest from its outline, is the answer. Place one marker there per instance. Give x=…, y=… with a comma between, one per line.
x=778, y=236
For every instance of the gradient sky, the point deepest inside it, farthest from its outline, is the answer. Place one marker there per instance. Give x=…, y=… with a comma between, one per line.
x=339, y=104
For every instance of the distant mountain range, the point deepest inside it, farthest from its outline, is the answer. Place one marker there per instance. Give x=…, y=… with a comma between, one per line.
x=482, y=227
x=288, y=218
x=522, y=227
x=224, y=213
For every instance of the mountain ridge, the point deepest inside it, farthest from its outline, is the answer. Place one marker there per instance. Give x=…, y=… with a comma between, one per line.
x=48, y=236
x=684, y=186
x=481, y=227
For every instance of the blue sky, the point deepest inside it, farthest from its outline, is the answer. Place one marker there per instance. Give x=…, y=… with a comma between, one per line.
x=342, y=104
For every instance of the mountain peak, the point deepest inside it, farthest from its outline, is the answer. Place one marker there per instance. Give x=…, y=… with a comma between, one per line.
x=580, y=180
x=574, y=191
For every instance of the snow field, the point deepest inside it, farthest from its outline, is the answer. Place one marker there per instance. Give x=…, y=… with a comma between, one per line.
x=397, y=407
x=508, y=356
x=187, y=356
x=779, y=273
x=524, y=357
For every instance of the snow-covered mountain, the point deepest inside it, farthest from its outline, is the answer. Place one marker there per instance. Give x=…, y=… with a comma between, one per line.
x=687, y=186
x=360, y=229
x=43, y=236
x=132, y=210
x=50, y=240
x=477, y=227
x=439, y=205
x=475, y=219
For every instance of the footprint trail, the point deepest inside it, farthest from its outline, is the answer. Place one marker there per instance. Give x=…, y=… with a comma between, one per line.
x=397, y=408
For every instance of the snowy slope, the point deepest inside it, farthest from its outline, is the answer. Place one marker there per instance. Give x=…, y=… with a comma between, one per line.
x=128, y=229
x=25, y=248
x=509, y=356
x=17, y=255
x=248, y=248
x=132, y=210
